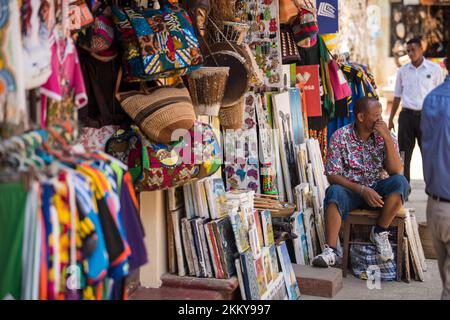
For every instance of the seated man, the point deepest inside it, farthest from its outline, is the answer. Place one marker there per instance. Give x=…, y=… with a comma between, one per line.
x=364, y=169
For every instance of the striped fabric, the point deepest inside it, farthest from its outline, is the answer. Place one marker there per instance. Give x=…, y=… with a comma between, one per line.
x=304, y=25
x=365, y=261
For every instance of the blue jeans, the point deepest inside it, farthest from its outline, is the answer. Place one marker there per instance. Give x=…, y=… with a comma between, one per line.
x=347, y=200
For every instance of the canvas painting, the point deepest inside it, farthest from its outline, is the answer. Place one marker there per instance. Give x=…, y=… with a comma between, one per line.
x=266, y=146
x=274, y=261
x=300, y=243
x=241, y=151
x=260, y=277
x=267, y=263
x=283, y=124
x=240, y=230
x=289, y=275
x=297, y=116
x=215, y=190
x=276, y=164
x=266, y=221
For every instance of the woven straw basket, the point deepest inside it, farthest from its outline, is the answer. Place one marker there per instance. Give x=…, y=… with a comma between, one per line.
x=207, y=88
x=161, y=111
x=232, y=117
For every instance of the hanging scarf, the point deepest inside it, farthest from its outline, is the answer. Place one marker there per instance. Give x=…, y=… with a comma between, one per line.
x=328, y=96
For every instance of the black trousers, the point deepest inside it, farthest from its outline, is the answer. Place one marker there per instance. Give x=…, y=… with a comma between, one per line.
x=408, y=132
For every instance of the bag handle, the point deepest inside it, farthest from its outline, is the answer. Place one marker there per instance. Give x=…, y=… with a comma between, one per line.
x=118, y=81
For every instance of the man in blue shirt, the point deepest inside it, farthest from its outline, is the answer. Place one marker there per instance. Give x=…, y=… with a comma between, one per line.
x=435, y=127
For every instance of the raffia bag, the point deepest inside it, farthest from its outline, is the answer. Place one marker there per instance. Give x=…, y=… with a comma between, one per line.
x=232, y=117
x=159, y=111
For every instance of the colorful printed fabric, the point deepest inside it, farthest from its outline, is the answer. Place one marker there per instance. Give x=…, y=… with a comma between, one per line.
x=94, y=139
x=157, y=43
x=132, y=224
x=94, y=251
x=126, y=146
x=169, y=165
x=358, y=161
x=65, y=87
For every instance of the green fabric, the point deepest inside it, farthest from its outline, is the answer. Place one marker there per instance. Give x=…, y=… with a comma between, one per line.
x=12, y=212
x=119, y=175
x=328, y=96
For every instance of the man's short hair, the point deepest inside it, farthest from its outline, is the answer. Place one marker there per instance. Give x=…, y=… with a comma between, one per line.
x=363, y=103
x=417, y=41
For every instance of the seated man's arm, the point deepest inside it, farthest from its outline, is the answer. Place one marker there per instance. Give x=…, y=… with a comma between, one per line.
x=368, y=194
x=343, y=181
x=392, y=162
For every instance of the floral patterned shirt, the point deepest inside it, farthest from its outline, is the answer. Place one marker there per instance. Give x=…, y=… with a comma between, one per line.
x=359, y=161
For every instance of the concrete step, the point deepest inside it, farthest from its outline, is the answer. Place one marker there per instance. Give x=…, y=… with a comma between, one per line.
x=170, y=293
x=320, y=282
x=228, y=288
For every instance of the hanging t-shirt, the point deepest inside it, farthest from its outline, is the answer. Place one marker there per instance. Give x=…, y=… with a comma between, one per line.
x=97, y=258
x=12, y=213
x=66, y=81
x=132, y=224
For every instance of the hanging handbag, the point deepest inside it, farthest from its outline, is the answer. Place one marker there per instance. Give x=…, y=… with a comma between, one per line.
x=158, y=111
x=99, y=37
x=157, y=43
x=161, y=166
x=304, y=26
x=126, y=145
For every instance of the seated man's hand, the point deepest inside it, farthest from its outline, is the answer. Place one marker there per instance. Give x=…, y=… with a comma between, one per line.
x=372, y=198
x=382, y=129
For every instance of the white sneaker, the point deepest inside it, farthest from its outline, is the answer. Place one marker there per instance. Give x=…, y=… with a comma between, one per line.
x=381, y=241
x=327, y=258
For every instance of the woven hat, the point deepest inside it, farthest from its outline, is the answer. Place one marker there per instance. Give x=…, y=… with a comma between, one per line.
x=232, y=117
x=207, y=88
x=160, y=112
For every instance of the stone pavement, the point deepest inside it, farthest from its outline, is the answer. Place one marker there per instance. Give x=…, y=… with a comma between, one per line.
x=430, y=289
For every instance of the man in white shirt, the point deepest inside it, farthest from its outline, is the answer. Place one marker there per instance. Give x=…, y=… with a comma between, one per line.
x=414, y=81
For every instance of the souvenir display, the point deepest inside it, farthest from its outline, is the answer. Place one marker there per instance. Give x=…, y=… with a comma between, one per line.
x=263, y=37
x=225, y=105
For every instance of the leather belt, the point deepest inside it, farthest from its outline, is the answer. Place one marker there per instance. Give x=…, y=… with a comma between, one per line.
x=439, y=199
x=413, y=112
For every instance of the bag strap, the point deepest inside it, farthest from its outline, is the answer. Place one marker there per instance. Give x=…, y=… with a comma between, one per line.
x=118, y=81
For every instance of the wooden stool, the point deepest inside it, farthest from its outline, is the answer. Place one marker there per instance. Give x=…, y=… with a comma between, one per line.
x=364, y=217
